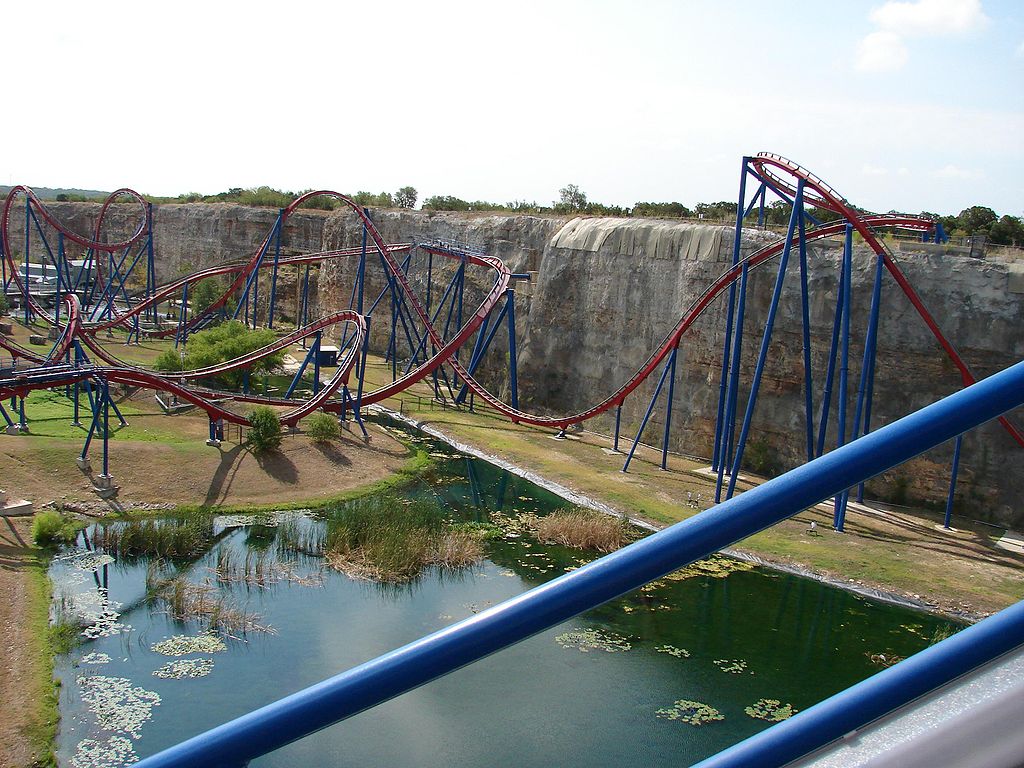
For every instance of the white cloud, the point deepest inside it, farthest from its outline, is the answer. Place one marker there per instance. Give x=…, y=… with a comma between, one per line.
x=955, y=172
x=881, y=52
x=874, y=170
x=928, y=18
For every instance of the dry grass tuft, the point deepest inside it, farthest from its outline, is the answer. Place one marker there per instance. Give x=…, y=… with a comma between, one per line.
x=582, y=529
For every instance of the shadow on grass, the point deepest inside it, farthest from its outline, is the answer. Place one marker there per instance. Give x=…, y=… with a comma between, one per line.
x=332, y=453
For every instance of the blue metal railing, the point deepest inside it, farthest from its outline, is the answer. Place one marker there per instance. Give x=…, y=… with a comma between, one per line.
x=277, y=724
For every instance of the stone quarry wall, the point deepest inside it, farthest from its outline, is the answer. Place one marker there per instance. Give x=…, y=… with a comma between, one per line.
x=607, y=291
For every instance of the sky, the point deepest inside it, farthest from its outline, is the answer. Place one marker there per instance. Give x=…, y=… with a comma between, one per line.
x=910, y=106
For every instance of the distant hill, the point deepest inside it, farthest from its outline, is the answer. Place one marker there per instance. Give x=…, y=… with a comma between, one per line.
x=46, y=193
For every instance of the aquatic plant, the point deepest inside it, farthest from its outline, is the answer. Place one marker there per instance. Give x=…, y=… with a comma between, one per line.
x=716, y=566
x=184, y=669
x=884, y=660
x=115, y=751
x=732, y=666
x=771, y=710
x=587, y=640
x=581, y=528
x=389, y=539
x=117, y=704
x=174, y=539
x=671, y=650
x=690, y=712
x=188, y=601
x=95, y=658
x=182, y=645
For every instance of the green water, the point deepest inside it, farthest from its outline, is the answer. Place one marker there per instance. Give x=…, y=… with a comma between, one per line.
x=539, y=703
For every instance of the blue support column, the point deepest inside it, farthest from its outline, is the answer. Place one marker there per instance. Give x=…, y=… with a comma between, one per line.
x=316, y=363
x=806, y=314
x=839, y=517
x=357, y=413
x=647, y=415
x=668, y=405
x=871, y=347
x=27, y=281
x=618, y=422
x=106, y=428
x=826, y=398
x=737, y=239
x=60, y=276
x=728, y=423
x=952, y=481
x=273, y=274
x=513, y=364
x=766, y=339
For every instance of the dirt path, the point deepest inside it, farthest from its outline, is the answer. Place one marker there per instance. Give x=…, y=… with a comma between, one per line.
x=19, y=682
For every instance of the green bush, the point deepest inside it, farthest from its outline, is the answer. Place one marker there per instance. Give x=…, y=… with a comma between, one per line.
x=322, y=428
x=51, y=529
x=224, y=342
x=5, y=305
x=264, y=429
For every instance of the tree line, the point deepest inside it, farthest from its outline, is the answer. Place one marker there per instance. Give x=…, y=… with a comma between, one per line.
x=972, y=221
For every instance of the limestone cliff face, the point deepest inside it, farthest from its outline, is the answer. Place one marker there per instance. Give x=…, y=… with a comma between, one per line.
x=607, y=291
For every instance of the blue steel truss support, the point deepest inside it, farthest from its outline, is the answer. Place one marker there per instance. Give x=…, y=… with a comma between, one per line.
x=952, y=481
x=316, y=363
x=357, y=411
x=826, y=398
x=96, y=406
x=428, y=658
x=513, y=354
x=60, y=276
x=618, y=424
x=867, y=364
x=766, y=340
x=669, y=366
x=839, y=515
x=22, y=422
x=310, y=355
x=478, y=349
x=106, y=428
x=668, y=406
x=28, y=279
x=716, y=462
x=252, y=282
x=181, y=335
x=728, y=424
x=805, y=311
x=151, y=265
x=273, y=274
x=304, y=303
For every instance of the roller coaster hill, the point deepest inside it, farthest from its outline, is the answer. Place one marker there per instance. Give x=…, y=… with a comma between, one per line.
x=437, y=310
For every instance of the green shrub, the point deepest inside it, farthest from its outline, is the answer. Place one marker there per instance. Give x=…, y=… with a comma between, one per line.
x=264, y=429
x=51, y=529
x=322, y=428
x=219, y=344
x=5, y=305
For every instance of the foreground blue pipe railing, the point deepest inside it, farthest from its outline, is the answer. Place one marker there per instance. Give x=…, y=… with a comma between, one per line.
x=316, y=707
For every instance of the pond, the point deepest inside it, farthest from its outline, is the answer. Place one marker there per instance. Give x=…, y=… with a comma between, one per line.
x=664, y=676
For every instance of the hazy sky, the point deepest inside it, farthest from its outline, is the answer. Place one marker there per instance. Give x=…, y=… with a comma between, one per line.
x=899, y=105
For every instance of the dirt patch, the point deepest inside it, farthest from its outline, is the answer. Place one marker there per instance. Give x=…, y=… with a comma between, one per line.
x=19, y=684
x=44, y=470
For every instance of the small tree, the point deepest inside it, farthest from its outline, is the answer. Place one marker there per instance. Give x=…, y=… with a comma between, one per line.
x=264, y=429
x=323, y=428
x=406, y=197
x=5, y=305
x=571, y=199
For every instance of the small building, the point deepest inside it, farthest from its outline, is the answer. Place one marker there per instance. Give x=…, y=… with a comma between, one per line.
x=327, y=356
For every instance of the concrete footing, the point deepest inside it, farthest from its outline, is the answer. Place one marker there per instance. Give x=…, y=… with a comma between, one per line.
x=13, y=507
x=83, y=464
x=13, y=429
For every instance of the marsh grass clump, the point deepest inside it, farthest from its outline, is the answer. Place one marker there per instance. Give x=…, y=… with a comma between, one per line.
x=173, y=539
x=188, y=601
x=581, y=528
x=389, y=539
x=52, y=529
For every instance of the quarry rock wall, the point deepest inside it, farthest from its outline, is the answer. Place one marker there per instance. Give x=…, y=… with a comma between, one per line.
x=607, y=291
